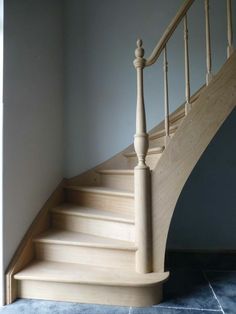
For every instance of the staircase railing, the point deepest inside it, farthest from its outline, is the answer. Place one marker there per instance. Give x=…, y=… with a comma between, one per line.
x=141, y=143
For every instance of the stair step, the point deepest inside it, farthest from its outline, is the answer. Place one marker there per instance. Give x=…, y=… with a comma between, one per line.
x=103, y=198
x=90, y=284
x=101, y=190
x=88, y=274
x=162, y=132
x=94, y=221
x=151, y=151
x=76, y=247
x=57, y=236
x=75, y=210
x=117, y=179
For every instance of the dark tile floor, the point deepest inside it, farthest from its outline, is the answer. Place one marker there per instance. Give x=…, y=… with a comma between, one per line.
x=199, y=283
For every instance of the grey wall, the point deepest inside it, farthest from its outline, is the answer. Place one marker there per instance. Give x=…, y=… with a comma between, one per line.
x=33, y=112
x=205, y=215
x=100, y=77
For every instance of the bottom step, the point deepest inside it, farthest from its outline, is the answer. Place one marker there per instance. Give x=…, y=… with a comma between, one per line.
x=89, y=284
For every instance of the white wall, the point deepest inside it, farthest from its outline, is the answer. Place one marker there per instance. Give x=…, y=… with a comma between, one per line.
x=33, y=112
x=100, y=78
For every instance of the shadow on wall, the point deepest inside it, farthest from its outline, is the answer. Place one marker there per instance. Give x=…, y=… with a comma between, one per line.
x=205, y=214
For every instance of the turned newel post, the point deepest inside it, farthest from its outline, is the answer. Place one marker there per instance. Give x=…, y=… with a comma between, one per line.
x=142, y=187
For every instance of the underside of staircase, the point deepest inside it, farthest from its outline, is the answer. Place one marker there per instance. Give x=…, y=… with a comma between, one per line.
x=82, y=245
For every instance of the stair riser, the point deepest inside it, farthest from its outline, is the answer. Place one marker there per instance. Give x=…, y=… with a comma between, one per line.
x=103, y=228
x=115, y=181
x=101, y=201
x=85, y=293
x=151, y=160
x=86, y=255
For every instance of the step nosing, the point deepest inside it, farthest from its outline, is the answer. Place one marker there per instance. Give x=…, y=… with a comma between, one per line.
x=93, y=216
x=94, y=190
x=84, y=244
x=81, y=274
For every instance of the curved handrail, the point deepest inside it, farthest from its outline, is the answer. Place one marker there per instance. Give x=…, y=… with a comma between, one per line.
x=167, y=34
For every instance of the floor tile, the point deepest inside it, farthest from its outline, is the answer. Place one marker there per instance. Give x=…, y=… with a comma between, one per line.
x=189, y=289
x=159, y=310
x=24, y=306
x=224, y=286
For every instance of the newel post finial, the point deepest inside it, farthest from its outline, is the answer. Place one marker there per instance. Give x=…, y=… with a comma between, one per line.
x=142, y=184
x=141, y=137
x=139, y=62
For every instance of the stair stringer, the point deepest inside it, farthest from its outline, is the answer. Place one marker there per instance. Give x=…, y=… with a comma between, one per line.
x=210, y=110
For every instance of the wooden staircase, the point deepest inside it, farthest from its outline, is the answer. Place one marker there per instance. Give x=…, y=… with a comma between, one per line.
x=101, y=237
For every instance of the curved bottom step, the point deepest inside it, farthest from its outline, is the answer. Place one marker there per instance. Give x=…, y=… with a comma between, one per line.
x=89, y=284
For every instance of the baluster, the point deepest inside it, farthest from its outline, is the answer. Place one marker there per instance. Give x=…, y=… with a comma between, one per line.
x=186, y=60
x=142, y=186
x=166, y=97
x=230, y=48
x=208, y=43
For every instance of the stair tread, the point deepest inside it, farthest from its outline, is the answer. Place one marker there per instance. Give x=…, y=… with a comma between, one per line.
x=64, y=237
x=76, y=210
x=100, y=190
x=154, y=150
x=87, y=274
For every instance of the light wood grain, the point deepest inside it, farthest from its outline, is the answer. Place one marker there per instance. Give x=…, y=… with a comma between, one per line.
x=168, y=32
x=101, y=198
x=74, y=247
x=25, y=252
x=88, y=274
x=230, y=47
x=117, y=179
x=89, y=284
x=93, y=221
x=208, y=43
x=186, y=147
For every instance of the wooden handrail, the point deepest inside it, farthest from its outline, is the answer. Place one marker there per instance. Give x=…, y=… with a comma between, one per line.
x=167, y=34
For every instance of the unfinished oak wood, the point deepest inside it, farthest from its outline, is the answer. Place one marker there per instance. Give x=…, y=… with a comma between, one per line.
x=230, y=47
x=107, y=227
x=168, y=33
x=184, y=150
x=208, y=43
x=25, y=252
x=89, y=284
x=81, y=248
x=94, y=221
x=101, y=198
x=117, y=179
x=162, y=133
